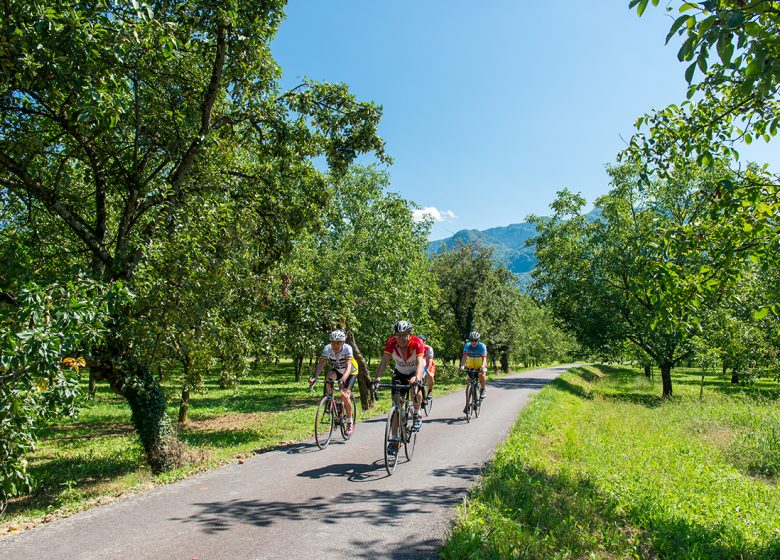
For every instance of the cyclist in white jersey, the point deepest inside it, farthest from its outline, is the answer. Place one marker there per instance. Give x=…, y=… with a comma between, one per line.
x=343, y=368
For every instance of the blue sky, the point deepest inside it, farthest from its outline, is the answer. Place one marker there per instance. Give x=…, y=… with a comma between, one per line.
x=490, y=108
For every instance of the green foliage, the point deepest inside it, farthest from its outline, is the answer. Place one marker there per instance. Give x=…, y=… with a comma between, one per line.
x=45, y=335
x=151, y=144
x=599, y=467
x=733, y=45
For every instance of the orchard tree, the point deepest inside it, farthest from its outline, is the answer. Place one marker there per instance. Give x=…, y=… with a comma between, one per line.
x=732, y=55
x=623, y=276
x=46, y=334
x=117, y=116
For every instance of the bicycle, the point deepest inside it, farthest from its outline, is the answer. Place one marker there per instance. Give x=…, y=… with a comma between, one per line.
x=427, y=398
x=402, y=412
x=473, y=402
x=331, y=413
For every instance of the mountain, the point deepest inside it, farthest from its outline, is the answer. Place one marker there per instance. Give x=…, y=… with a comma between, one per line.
x=508, y=244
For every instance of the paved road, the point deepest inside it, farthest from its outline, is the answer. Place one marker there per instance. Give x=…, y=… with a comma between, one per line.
x=300, y=502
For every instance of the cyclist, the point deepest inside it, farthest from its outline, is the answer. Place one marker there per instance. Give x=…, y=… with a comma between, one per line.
x=475, y=357
x=408, y=353
x=343, y=368
x=430, y=366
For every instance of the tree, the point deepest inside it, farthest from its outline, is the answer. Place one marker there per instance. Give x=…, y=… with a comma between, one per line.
x=732, y=45
x=118, y=116
x=45, y=336
x=366, y=269
x=623, y=276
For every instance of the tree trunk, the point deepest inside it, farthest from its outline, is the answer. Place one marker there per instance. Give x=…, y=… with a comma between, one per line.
x=298, y=361
x=364, y=380
x=147, y=404
x=504, y=362
x=648, y=371
x=184, y=405
x=666, y=379
x=734, y=376
x=92, y=384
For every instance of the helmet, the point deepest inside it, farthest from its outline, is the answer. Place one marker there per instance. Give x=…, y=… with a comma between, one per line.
x=338, y=335
x=404, y=327
x=473, y=335
x=422, y=337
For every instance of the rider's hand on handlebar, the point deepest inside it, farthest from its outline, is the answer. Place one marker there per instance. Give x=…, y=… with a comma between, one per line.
x=462, y=368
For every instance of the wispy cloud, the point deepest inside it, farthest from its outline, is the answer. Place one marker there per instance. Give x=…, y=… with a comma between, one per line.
x=437, y=215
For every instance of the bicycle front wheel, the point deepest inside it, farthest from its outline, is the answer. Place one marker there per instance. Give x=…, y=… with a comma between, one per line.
x=323, y=423
x=427, y=403
x=468, y=403
x=391, y=459
x=475, y=400
x=410, y=436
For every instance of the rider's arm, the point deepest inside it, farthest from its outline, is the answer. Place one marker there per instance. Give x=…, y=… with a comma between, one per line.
x=463, y=359
x=420, y=367
x=347, y=370
x=320, y=365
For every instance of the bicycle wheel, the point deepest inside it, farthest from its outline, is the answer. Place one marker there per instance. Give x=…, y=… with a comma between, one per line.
x=427, y=403
x=476, y=402
x=391, y=459
x=343, y=425
x=410, y=436
x=323, y=423
x=468, y=403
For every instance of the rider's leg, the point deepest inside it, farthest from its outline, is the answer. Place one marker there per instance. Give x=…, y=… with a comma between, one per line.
x=482, y=380
x=345, y=394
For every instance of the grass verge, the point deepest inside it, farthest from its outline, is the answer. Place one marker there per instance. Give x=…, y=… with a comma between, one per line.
x=599, y=466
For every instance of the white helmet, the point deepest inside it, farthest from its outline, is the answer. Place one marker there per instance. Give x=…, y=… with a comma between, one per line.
x=404, y=327
x=473, y=335
x=338, y=335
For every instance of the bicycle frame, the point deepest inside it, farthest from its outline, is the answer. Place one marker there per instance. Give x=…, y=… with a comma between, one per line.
x=402, y=414
x=330, y=413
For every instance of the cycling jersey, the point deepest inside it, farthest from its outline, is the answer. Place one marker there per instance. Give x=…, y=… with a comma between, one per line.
x=474, y=354
x=428, y=355
x=339, y=361
x=405, y=358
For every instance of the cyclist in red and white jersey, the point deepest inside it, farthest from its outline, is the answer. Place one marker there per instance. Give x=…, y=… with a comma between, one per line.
x=408, y=354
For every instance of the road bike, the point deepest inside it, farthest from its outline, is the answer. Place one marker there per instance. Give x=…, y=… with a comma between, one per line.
x=402, y=415
x=331, y=413
x=473, y=402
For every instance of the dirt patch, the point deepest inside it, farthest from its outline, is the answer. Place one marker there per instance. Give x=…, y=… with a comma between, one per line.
x=719, y=436
x=225, y=422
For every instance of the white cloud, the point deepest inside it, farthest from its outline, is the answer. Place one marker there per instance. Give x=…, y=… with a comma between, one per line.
x=433, y=212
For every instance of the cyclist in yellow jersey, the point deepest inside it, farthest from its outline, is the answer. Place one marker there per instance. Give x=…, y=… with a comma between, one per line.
x=475, y=357
x=343, y=368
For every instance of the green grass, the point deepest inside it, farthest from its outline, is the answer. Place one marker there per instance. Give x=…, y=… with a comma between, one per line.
x=98, y=457
x=605, y=468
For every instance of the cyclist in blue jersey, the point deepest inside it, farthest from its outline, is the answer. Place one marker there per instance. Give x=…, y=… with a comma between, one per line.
x=475, y=357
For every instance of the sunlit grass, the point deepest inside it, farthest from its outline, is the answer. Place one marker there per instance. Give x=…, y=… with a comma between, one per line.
x=608, y=469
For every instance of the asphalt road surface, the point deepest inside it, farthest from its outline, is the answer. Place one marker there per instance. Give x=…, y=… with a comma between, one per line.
x=301, y=502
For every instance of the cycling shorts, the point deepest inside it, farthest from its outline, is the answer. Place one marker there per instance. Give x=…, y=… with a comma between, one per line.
x=474, y=362
x=350, y=381
x=403, y=379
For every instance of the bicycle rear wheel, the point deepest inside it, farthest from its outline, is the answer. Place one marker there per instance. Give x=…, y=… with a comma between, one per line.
x=391, y=459
x=323, y=423
x=410, y=436
x=354, y=416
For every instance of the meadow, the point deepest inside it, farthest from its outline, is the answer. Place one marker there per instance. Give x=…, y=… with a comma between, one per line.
x=600, y=466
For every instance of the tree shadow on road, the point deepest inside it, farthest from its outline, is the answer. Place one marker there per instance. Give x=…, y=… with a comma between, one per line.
x=389, y=507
